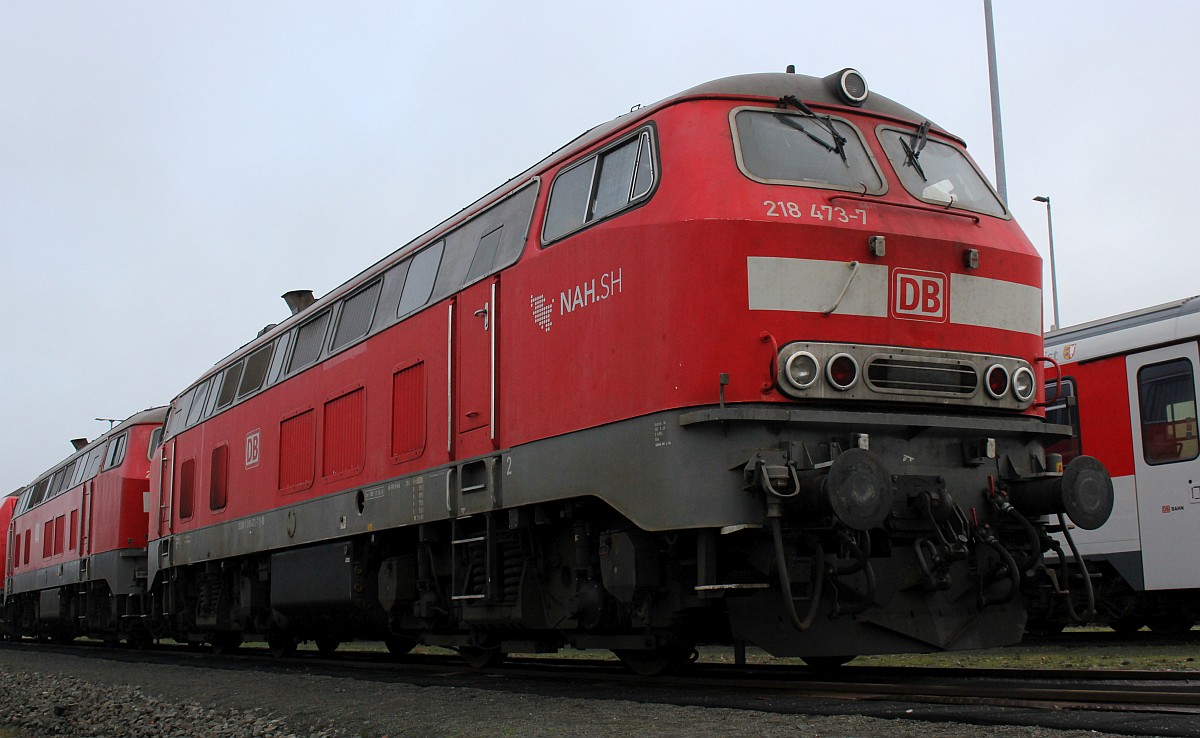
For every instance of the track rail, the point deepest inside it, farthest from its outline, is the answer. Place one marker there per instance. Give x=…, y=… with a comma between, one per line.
x=1124, y=702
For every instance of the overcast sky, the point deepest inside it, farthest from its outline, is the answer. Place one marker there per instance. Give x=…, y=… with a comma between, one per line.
x=168, y=169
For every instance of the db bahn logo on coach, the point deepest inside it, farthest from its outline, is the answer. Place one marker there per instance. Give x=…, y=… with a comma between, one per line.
x=919, y=295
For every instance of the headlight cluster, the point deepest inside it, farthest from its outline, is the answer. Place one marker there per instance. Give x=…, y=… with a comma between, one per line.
x=913, y=375
x=999, y=382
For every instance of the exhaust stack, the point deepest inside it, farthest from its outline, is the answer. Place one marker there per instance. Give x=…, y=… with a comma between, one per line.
x=298, y=300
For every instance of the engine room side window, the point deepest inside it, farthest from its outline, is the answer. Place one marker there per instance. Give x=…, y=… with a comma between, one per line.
x=357, y=312
x=309, y=340
x=938, y=173
x=255, y=372
x=1167, y=401
x=784, y=147
x=39, y=492
x=600, y=186
x=418, y=284
x=229, y=384
x=198, y=403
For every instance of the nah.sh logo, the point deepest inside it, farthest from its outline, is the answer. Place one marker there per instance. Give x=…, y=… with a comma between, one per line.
x=918, y=295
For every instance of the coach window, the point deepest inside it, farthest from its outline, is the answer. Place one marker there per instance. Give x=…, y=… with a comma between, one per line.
x=1063, y=409
x=355, y=319
x=784, y=147
x=1167, y=399
x=418, y=284
x=255, y=372
x=309, y=340
x=938, y=173
x=600, y=186
x=116, y=451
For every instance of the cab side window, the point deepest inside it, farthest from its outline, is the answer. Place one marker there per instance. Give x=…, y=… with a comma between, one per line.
x=601, y=185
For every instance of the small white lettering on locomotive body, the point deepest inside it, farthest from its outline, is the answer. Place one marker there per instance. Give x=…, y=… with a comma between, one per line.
x=590, y=292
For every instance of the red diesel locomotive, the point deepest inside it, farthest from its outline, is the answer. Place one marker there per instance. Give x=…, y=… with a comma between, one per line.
x=77, y=540
x=1128, y=393
x=756, y=364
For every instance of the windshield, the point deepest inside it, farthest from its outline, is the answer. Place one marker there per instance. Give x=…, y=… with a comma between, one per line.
x=791, y=148
x=937, y=172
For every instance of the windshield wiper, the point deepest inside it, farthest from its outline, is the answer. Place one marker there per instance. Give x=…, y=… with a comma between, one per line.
x=912, y=152
x=825, y=121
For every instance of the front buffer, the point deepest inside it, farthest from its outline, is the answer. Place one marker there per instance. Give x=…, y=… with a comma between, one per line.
x=882, y=532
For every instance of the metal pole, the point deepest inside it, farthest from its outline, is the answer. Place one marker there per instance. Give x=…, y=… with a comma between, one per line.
x=993, y=79
x=1053, y=271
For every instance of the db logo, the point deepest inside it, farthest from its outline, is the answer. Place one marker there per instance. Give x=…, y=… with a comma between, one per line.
x=253, y=447
x=918, y=295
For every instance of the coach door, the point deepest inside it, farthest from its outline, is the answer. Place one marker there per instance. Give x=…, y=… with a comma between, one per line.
x=1162, y=400
x=474, y=397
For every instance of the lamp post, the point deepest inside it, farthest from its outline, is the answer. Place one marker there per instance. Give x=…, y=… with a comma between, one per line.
x=1053, y=273
x=994, y=86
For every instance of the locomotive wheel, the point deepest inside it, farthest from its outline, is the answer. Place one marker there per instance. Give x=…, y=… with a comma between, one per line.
x=481, y=658
x=327, y=645
x=399, y=645
x=1127, y=626
x=655, y=661
x=1044, y=627
x=281, y=645
x=1170, y=624
x=226, y=643
x=825, y=663
x=140, y=639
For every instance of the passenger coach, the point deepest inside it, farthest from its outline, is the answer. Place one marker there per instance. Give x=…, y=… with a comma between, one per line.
x=1128, y=393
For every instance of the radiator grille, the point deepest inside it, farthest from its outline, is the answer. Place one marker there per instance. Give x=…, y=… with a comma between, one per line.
x=920, y=375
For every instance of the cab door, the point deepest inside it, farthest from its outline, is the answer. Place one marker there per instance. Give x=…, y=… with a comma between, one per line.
x=475, y=366
x=1162, y=394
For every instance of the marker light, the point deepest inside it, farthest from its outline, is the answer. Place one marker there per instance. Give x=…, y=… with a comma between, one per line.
x=802, y=369
x=842, y=371
x=996, y=381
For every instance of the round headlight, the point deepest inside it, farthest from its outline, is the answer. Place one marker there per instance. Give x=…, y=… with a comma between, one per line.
x=1023, y=384
x=802, y=369
x=842, y=371
x=853, y=86
x=996, y=381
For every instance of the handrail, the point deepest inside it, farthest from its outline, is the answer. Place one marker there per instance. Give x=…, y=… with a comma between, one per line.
x=909, y=206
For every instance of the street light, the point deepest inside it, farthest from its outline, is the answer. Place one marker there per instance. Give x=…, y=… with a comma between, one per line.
x=1053, y=273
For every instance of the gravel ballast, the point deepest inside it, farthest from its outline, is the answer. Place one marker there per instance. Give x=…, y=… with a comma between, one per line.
x=52, y=694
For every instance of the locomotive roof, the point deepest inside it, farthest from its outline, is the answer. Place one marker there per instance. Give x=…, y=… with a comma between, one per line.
x=764, y=87
x=1139, y=329
x=150, y=415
